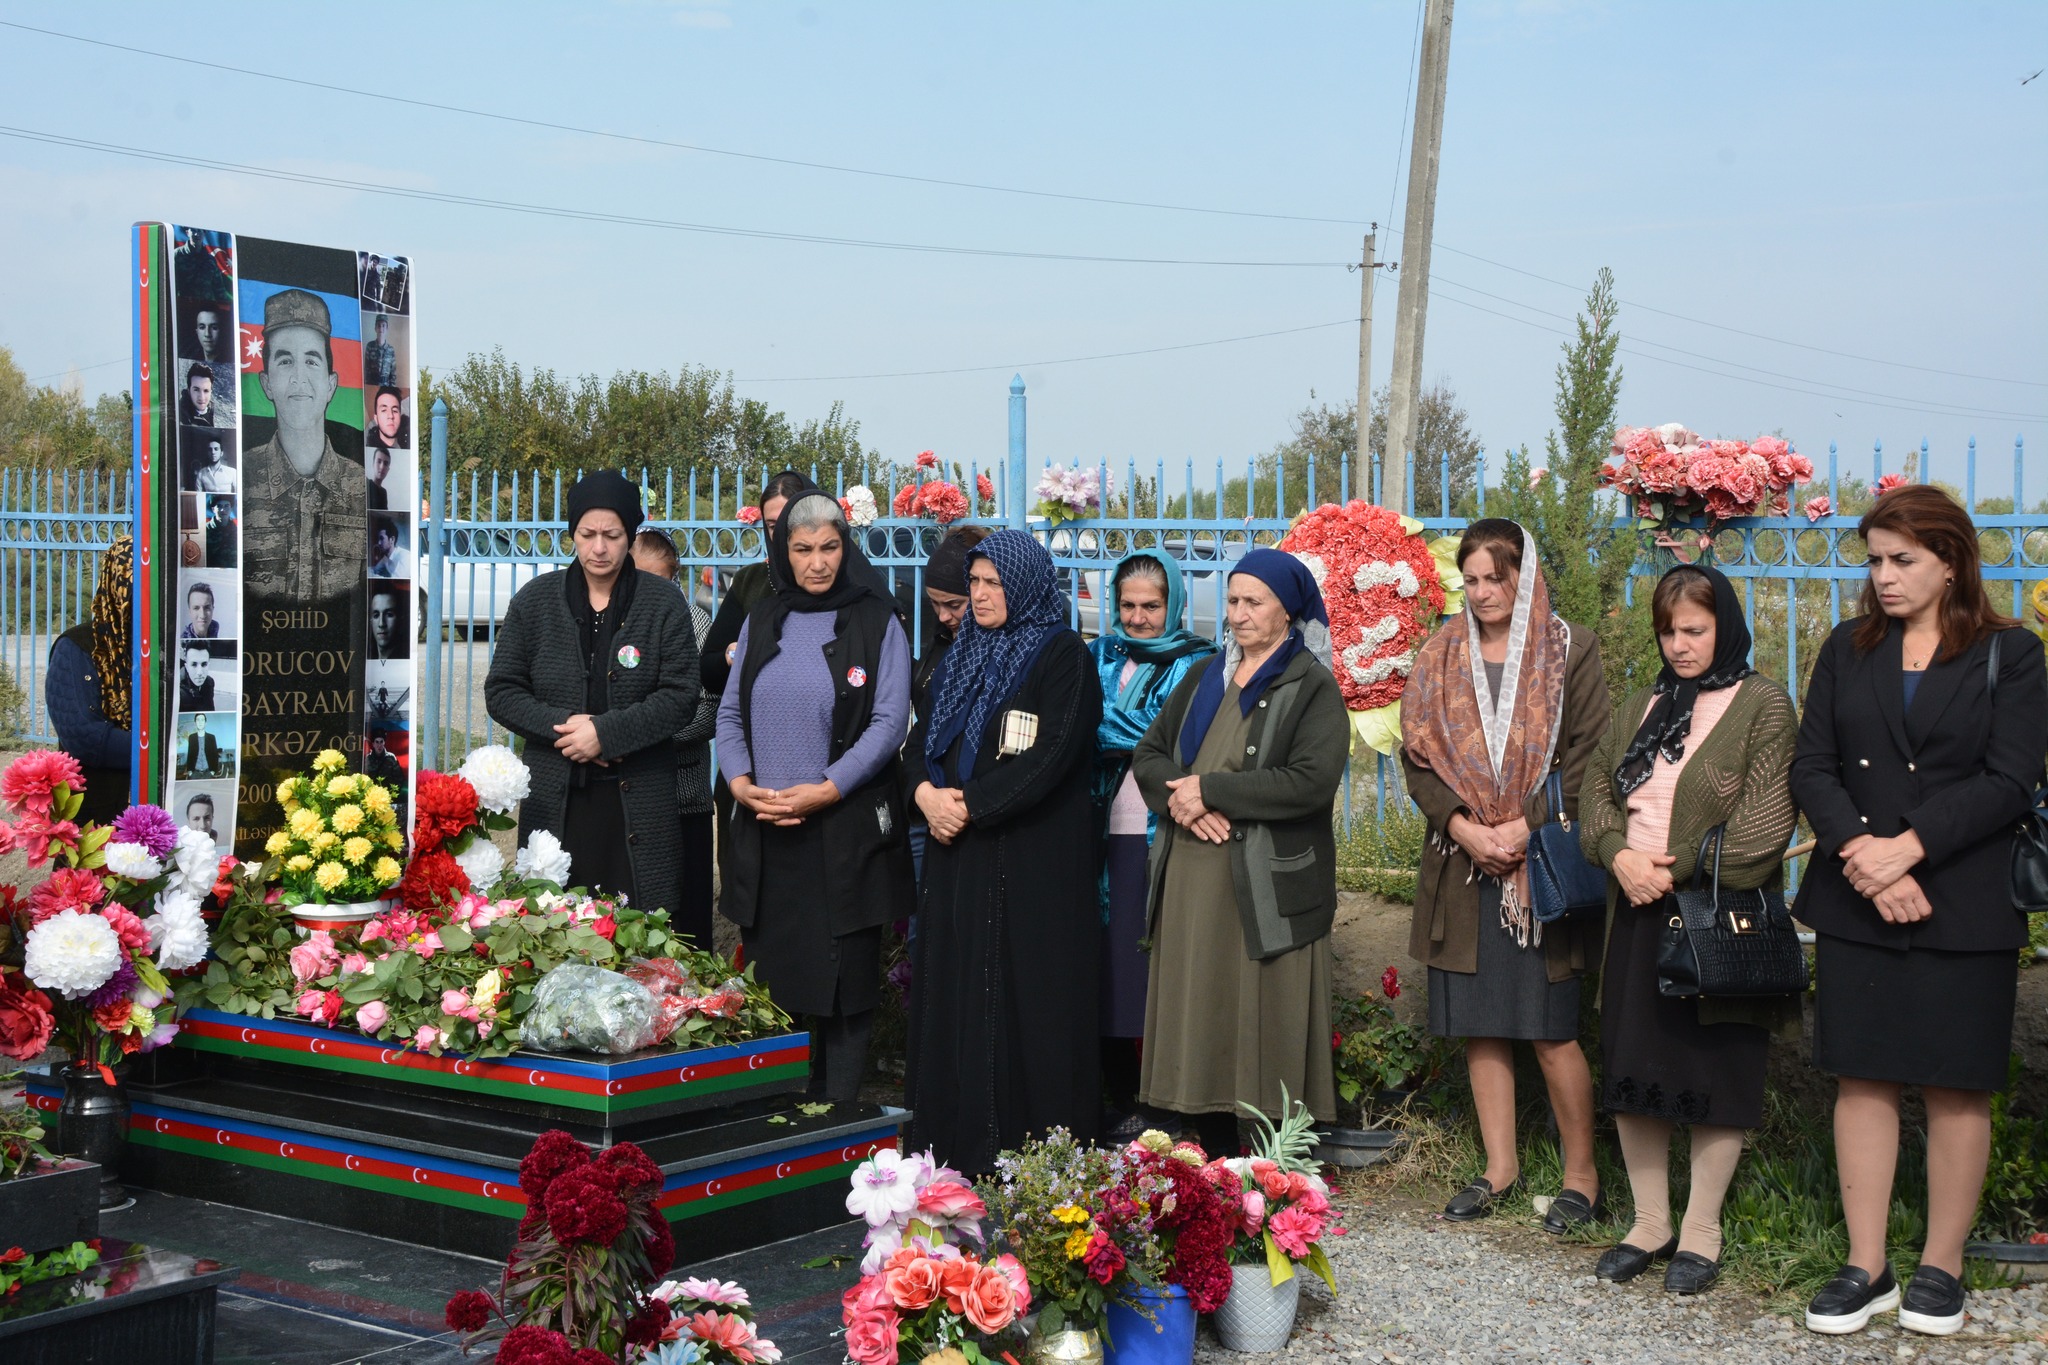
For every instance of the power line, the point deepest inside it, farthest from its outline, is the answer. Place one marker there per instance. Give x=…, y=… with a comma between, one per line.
x=79, y=369
x=1401, y=141
x=1042, y=364
x=675, y=145
x=629, y=220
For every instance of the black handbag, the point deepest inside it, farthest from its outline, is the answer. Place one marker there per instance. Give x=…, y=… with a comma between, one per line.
x=1562, y=884
x=2030, y=837
x=1728, y=943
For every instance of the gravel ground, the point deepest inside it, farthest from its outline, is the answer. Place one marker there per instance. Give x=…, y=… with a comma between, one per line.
x=1421, y=1289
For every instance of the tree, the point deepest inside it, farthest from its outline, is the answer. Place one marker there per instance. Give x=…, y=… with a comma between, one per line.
x=1442, y=427
x=55, y=429
x=1585, y=558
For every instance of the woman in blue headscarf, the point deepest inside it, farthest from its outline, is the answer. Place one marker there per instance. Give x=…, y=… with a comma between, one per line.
x=1245, y=760
x=1003, y=1032
x=1146, y=653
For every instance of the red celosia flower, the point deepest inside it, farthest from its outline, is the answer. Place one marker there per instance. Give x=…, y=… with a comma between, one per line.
x=630, y=1168
x=1390, y=983
x=645, y=1326
x=588, y=1355
x=552, y=1153
x=584, y=1206
x=468, y=1311
x=534, y=1345
x=660, y=1245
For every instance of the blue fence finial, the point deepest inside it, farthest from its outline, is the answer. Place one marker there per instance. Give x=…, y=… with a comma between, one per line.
x=1019, y=480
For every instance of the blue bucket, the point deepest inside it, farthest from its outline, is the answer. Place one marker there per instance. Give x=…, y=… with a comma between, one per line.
x=1136, y=1340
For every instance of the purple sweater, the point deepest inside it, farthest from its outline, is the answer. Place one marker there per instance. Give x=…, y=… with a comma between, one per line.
x=792, y=711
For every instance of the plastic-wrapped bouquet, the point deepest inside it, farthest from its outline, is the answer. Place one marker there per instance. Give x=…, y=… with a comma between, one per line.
x=1673, y=475
x=1070, y=494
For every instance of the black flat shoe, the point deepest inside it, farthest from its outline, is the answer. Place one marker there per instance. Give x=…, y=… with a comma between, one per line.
x=1571, y=1210
x=1933, y=1304
x=1476, y=1200
x=1849, y=1301
x=1620, y=1264
x=1690, y=1273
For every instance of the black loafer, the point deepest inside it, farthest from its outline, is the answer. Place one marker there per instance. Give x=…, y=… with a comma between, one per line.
x=1690, y=1273
x=1933, y=1304
x=1850, y=1300
x=1572, y=1210
x=1476, y=1200
x=1620, y=1264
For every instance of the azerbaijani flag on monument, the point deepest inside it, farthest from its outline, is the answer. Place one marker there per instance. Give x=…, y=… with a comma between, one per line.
x=346, y=314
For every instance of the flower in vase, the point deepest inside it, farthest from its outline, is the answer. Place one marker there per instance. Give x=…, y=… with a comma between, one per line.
x=882, y=1189
x=73, y=953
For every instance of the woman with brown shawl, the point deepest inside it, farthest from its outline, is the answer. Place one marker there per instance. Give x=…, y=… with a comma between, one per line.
x=1504, y=695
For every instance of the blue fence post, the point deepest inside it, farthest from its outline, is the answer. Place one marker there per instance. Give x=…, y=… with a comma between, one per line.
x=437, y=506
x=1019, y=480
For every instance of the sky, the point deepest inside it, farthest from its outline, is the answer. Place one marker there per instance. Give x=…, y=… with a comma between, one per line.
x=1823, y=219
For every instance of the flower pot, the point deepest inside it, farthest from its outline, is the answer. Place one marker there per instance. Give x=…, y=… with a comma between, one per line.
x=336, y=919
x=1353, y=1147
x=92, y=1123
x=1258, y=1315
x=1068, y=1346
x=54, y=1205
x=1165, y=1338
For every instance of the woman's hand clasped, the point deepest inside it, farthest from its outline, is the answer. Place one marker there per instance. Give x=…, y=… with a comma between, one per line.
x=1186, y=808
x=1872, y=864
x=787, y=806
x=1645, y=877
x=1489, y=850
x=1903, y=902
x=578, y=740
x=945, y=810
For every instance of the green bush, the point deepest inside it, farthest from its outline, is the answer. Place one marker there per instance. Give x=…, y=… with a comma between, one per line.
x=13, y=702
x=1381, y=854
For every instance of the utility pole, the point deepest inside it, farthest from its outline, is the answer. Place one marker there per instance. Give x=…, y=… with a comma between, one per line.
x=1406, y=387
x=1361, y=464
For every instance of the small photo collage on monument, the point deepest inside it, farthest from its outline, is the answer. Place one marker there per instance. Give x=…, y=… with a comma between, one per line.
x=391, y=464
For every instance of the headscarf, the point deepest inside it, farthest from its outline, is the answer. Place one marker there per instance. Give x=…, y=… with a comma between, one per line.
x=946, y=569
x=1176, y=640
x=857, y=578
x=1493, y=756
x=1309, y=629
x=608, y=490
x=984, y=668
x=113, y=629
x=1669, y=721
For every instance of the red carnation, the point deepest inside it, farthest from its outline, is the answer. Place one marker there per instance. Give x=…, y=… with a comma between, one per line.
x=433, y=879
x=68, y=888
x=943, y=502
x=584, y=1206
x=985, y=488
x=552, y=1153
x=468, y=1311
x=446, y=806
x=904, y=504
x=534, y=1345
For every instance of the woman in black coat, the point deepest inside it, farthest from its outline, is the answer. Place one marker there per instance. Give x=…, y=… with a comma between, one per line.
x=1921, y=745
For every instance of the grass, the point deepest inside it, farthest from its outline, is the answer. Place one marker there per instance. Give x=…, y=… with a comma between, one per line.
x=1381, y=855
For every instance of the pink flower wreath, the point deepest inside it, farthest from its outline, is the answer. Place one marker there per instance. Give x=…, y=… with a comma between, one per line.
x=1382, y=589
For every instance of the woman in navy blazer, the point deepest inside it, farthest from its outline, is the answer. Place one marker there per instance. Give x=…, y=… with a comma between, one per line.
x=1913, y=766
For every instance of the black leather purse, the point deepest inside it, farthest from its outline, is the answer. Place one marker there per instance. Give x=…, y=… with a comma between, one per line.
x=2030, y=837
x=1562, y=884
x=1728, y=943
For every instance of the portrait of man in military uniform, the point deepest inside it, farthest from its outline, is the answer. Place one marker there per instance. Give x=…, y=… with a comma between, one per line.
x=305, y=529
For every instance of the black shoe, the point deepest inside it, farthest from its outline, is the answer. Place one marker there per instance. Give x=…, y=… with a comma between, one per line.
x=1690, y=1273
x=1620, y=1264
x=1849, y=1301
x=1933, y=1304
x=1122, y=1128
x=1572, y=1210
x=1476, y=1200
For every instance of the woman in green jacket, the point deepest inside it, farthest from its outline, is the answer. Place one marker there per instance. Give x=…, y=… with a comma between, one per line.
x=1708, y=744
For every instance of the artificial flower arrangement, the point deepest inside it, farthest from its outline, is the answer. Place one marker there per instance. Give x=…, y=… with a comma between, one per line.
x=1081, y=1223
x=583, y=1284
x=941, y=499
x=1194, y=1214
x=1385, y=588
x=453, y=968
x=1672, y=475
x=859, y=506
x=1283, y=1202
x=1069, y=494
x=84, y=956
x=922, y=1295
x=340, y=842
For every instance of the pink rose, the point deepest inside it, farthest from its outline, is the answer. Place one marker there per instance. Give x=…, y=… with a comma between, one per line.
x=990, y=1305
x=914, y=1285
x=1020, y=1281
x=316, y=957
x=426, y=1038
x=871, y=1337
x=454, y=1002
x=355, y=963
x=371, y=1016
x=949, y=1199
x=1254, y=1212
x=429, y=944
x=1274, y=1183
x=322, y=1007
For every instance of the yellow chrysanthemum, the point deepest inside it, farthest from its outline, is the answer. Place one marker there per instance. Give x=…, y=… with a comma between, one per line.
x=347, y=819
x=387, y=870
x=377, y=799
x=277, y=843
x=288, y=793
x=329, y=760
x=298, y=862
x=1077, y=1243
x=304, y=823
x=356, y=849
x=1067, y=1213
x=393, y=839
x=325, y=840
x=330, y=876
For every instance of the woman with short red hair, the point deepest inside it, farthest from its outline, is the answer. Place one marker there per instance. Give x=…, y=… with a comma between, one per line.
x=1920, y=747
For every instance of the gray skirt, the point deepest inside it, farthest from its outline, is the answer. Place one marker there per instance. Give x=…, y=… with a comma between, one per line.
x=1510, y=996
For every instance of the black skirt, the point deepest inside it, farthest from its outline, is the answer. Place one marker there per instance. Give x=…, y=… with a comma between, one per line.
x=806, y=968
x=1656, y=1057
x=1916, y=1016
x=1126, y=966
x=1510, y=996
x=594, y=837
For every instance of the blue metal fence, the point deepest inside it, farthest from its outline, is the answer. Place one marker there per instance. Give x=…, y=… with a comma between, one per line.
x=53, y=526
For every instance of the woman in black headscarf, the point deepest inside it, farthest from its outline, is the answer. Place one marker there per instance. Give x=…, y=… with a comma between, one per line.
x=1708, y=744
x=814, y=856
x=87, y=688
x=597, y=676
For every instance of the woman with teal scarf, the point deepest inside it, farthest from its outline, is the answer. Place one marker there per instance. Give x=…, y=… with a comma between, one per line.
x=1140, y=661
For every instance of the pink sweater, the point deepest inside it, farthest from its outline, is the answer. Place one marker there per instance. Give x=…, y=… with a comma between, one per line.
x=1649, y=806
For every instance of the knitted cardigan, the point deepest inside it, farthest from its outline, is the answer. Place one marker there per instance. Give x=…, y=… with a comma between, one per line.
x=536, y=682
x=1739, y=774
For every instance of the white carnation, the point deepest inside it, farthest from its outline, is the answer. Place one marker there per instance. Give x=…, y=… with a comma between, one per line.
x=73, y=953
x=197, y=859
x=1317, y=568
x=1400, y=576
x=860, y=504
x=544, y=858
x=131, y=861
x=482, y=863
x=177, y=933
x=499, y=776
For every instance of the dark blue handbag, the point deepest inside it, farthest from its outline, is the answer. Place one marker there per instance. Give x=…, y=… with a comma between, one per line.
x=1562, y=884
